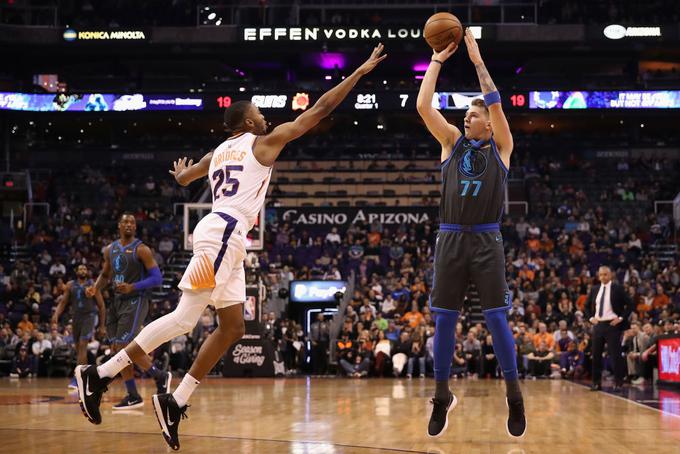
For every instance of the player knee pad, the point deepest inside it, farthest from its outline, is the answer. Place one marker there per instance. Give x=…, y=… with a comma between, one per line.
x=503, y=341
x=444, y=342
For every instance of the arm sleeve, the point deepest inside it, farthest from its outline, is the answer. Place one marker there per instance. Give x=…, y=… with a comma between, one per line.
x=154, y=279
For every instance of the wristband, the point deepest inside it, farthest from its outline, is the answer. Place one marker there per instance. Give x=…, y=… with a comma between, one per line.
x=492, y=98
x=437, y=61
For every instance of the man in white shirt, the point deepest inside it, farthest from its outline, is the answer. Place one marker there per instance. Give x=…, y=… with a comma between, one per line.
x=609, y=307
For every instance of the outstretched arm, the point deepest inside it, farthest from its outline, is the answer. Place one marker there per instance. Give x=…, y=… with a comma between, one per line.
x=499, y=124
x=445, y=133
x=267, y=148
x=188, y=172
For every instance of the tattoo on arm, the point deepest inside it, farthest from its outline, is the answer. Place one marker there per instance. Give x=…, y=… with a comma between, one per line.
x=485, y=79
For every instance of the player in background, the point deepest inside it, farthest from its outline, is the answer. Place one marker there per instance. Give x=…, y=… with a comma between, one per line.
x=469, y=244
x=129, y=265
x=239, y=171
x=84, y=311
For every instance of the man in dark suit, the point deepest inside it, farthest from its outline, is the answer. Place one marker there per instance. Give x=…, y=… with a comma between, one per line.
x=608, y=307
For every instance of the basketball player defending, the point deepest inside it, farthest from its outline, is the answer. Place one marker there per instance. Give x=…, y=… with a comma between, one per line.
x=239, y=171
x=83, y=313
x=469, y=246
x=131, y=265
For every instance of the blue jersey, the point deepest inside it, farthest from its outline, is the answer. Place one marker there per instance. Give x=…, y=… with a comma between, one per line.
x=81, y=305
x=126, y=266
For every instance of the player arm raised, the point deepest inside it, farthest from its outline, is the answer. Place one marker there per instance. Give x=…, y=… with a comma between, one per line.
x=267, y=148
x=154, y=279
x=445, y=133
x=499, y=124
x=188, y=172
x=104, y=276
x=62, y=303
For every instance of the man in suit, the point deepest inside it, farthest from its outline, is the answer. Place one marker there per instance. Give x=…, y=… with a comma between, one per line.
x=608, y=307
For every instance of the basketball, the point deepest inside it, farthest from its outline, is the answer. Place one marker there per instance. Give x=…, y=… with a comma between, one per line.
x=441, y=29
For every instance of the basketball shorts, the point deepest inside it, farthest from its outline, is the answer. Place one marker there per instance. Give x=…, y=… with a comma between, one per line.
x=219, y=247
x=124, y=318
x=83, y=326
x=469, y=254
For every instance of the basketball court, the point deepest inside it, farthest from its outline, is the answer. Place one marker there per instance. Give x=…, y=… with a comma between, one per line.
x=333, y=415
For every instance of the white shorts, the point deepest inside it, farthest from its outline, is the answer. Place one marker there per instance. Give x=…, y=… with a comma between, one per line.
x=219, y=246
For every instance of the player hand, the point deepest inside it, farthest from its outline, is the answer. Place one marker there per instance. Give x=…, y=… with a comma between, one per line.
x=124, y=288
x=373, y=60
x=472, y=47
x=180, y=165
x=90, y=291
x=593, y=320
x=443, y=55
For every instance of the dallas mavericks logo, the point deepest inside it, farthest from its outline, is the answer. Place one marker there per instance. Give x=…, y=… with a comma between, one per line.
x=120, y=263
x=472, y=164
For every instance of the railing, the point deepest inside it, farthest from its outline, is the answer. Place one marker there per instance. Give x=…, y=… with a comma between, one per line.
x=661, y=202
x=508, y=13
x=35, y=16
x=29, y=207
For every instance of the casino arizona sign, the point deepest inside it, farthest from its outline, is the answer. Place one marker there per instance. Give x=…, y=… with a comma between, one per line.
x=327, y=33
x=353, y=215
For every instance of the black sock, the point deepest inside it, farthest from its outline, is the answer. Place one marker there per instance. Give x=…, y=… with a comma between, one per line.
x=512, y=390
x=442, y=390
x=156, y=373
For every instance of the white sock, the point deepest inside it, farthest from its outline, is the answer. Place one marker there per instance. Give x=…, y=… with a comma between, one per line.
x=185, y=389
x=111, y=368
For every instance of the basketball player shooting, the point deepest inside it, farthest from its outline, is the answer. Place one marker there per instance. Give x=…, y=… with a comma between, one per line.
x=239, y=171
x=474, y=167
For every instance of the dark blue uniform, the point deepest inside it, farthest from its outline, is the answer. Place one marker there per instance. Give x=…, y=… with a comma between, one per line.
x=469, y=245
x=126, y=313
x=83, y=311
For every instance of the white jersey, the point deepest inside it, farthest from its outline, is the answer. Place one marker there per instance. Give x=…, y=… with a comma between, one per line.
x=238, y=181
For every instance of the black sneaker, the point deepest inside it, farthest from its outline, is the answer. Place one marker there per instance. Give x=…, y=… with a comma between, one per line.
x=439, y=420
x=169, y=415
x=517, y=424
x=90, y=390
x=163, y=382
x=129, y=402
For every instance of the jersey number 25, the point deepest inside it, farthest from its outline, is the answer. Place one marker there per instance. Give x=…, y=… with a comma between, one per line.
x=222, y=177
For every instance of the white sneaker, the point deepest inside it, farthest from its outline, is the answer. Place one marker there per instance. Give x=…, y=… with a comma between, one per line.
x=638, y=381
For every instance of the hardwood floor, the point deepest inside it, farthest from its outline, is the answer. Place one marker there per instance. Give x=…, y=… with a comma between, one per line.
x=335, y=416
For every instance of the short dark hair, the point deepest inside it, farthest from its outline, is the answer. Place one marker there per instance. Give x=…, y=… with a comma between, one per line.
x=126, y=213
x=234, y=115
x=480, y=103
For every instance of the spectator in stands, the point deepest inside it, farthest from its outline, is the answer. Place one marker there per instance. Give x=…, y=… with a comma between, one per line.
x=42, y=351
x=489, y=362
x=416, y=353
x=413, y=317
x=382, y=353
x=25, y=324
x=472, y=349
x=634, y=343
x=539, y=361
x=22, y=365
x=57, y=269
x=572, y=362
x=544, y=336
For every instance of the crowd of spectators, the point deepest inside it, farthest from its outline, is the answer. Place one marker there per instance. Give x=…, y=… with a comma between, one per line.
x=387, y=328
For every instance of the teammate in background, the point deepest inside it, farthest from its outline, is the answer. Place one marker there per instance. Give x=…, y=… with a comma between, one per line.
x=83, y=313
x=239, y=171
x=469, y=245
x=130, y=265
